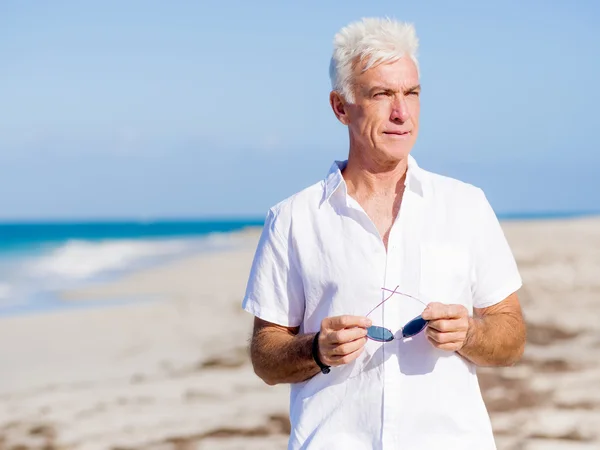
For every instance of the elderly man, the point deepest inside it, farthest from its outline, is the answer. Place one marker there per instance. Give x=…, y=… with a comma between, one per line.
x=378, y=290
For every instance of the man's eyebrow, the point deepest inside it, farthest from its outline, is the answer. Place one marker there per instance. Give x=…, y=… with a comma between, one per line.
x=416, y=87
x=380, y=88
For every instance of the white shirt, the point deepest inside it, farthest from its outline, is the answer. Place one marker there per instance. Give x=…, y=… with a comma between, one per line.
x=320, y=255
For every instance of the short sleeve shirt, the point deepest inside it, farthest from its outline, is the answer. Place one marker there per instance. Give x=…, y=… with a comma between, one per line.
x=320, y=255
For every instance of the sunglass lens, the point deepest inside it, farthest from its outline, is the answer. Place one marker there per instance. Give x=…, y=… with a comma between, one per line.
x=380, y=334
x=413, y=327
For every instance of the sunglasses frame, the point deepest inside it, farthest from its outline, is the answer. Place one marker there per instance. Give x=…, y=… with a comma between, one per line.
x=418, y=321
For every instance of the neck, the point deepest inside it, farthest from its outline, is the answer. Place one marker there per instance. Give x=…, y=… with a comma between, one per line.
x=372, y=176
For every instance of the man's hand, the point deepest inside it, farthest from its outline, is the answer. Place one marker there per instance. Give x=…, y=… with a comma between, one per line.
x=448, y=325
x=342, y=339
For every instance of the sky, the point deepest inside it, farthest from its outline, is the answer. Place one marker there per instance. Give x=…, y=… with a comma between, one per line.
x=145, y=110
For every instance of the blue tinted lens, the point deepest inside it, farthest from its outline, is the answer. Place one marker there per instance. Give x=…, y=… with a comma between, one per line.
x=413, y=327
x=380, y=334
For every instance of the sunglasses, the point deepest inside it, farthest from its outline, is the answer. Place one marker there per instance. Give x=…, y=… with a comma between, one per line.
x=412, y=327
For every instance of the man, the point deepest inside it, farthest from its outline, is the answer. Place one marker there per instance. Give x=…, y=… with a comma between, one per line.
x=378, y=229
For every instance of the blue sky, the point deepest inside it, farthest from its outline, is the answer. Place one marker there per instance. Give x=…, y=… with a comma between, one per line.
x=216, y=108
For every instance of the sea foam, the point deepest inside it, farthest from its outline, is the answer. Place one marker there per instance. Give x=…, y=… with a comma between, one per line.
x=86, y=259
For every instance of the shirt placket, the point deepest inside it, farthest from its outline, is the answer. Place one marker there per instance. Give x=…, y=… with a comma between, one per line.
x=402, y=270
x=391, y=312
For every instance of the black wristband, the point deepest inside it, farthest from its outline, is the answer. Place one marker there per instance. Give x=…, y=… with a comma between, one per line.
x=315, y=353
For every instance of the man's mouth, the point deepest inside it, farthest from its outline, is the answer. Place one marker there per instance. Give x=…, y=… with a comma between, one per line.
x=397, y=133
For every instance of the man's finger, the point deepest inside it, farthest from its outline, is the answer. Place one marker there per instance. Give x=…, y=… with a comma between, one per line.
x=346, y=321
x=339, y=360
x=346, y=335
x=446, y=338
x=348, y=347
x=435, y=311
x=448, y=325
x=450, y=346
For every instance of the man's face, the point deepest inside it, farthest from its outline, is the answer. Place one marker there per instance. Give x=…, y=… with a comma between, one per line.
x=385, y=115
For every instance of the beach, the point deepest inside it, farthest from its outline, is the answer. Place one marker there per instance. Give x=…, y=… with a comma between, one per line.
x=170, y=369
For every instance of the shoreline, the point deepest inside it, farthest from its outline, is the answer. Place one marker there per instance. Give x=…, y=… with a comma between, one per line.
x=90, y=291
x=45, y=302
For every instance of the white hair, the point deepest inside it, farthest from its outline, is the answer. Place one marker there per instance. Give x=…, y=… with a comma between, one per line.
x=371, y=41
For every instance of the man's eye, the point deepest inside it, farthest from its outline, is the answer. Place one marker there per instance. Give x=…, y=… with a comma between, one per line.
x=413, y=93
x=379, y=94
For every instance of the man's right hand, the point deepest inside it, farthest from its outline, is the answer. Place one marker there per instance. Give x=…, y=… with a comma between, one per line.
x=342, y=339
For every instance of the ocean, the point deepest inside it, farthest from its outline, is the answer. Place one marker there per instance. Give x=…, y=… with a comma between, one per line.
x=38, y=260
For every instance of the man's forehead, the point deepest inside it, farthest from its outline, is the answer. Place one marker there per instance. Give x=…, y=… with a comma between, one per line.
x=401, y=73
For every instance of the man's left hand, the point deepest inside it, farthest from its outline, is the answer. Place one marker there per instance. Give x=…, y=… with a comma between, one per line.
x=448, y=325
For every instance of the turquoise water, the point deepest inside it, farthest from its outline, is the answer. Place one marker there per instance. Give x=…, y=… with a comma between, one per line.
x=38, y=260
x=18, y=236
x=546, y=215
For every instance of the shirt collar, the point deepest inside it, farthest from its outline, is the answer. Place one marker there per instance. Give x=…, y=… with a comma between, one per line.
x=334, y=178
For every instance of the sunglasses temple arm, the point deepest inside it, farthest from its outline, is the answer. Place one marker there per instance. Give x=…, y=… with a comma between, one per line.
x=384, y=300
x=406, y=295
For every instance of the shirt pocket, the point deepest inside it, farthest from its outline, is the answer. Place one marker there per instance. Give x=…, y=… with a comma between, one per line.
x=445, y=274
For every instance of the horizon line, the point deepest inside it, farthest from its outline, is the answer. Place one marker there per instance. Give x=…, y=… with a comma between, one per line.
x=230, y=218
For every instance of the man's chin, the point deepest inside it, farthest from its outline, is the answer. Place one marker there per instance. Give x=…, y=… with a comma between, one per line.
x=397, y=152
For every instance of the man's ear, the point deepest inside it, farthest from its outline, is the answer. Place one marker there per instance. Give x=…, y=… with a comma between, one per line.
x=339, y=107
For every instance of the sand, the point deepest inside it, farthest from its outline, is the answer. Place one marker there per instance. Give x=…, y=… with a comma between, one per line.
x=173, y=372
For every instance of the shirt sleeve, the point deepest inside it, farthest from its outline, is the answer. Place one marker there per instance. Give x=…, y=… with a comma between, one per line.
x=275, y=290
x=495, y=272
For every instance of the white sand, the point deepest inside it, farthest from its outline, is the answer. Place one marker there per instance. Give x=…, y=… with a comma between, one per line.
x=173, y=373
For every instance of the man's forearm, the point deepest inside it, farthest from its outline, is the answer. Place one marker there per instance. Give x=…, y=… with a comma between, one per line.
x=494, y=340
x=283, y=358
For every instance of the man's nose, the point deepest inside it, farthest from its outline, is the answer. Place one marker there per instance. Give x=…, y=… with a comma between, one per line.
x=400, y=111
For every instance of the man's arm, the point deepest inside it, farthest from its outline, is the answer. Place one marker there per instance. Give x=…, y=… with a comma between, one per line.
x=280, y=355
x=494, y=336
